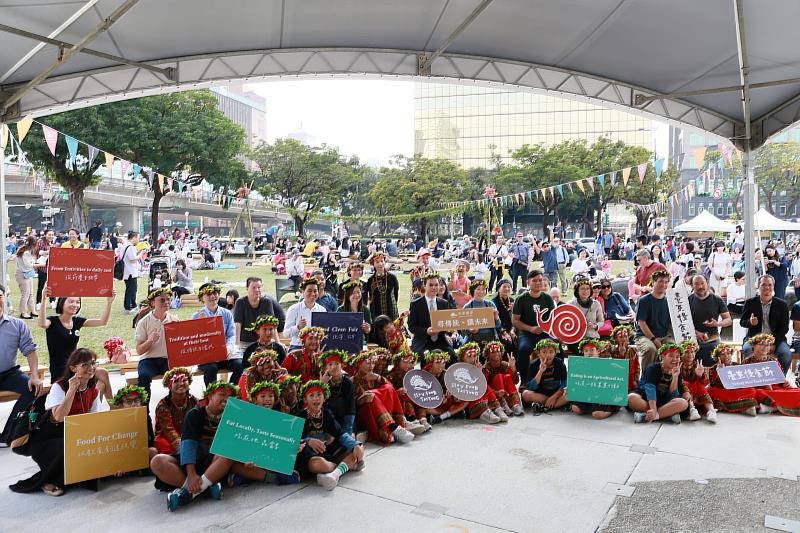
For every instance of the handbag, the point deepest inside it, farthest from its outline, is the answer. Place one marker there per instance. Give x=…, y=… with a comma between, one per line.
x=25, y=424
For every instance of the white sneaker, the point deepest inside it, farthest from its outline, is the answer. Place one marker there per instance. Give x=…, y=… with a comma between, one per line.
x=711, y=416
x=362, y=436
x=402, y=435
x=489, y=417
x=327, y=481
x=507, y=410
x=750, y=411
x=693, y=414
x=765, y=409
x=501, y=414
x=415, y=427
x=517, y=410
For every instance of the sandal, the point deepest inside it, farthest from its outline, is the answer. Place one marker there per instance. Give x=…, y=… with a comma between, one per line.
x=52, y=490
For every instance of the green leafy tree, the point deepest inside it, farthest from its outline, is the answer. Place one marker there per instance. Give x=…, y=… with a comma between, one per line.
x=777, y=170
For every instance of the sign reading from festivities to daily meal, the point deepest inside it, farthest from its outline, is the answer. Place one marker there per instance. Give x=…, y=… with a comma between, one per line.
x=751, y=375
x=453, y=319
x=80, y=272
x=423, y=389
x=265, y=437
x=342, y=330
x=194, y=342
x=597, y=380
x=465, y=381
x=101, y=444
x=681, y=314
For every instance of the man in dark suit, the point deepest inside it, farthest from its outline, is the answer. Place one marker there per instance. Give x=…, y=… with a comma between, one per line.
x=419, y=321
x=776, y=323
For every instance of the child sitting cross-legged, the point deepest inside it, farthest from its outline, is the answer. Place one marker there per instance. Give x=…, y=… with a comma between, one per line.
x=592, y=348
x=545, y=391
x=502, y=377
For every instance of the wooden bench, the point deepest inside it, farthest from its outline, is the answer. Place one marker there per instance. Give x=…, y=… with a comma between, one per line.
x=190, y=300
x=10, y=396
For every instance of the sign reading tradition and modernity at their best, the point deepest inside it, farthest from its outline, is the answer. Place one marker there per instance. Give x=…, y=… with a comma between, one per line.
x=194, y=342
x=101, y=444
x=252, y=434
x=751, y=375
x=465, y=381
x=681, y=314
x=80, y=272
x=423, y=389
x=342, y=330
x=597, y=380
x=453, y=319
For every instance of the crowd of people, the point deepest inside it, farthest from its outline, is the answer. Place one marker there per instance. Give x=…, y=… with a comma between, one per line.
x=278, y=360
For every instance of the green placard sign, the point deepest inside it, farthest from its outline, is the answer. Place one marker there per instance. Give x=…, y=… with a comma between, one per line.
x=596, y=380
x=267, y=438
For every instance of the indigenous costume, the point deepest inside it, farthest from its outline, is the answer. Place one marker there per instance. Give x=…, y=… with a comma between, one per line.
x=618, y=350
x=342, y=399
x=655, y=383
x=488, y=402
x=381, y=414
x=692, y=383
x=382, y=291
x=261, y=322
x=779, y=397
x=382, y=359
x=730, y=400
x=263, y=367
x=290, y=392
x=589, y=407
x=301, y=362
x=554, y=377
x=502, y=378
x=199, y=428
x=397, y=341
x=411, y=410
x=169, y=417
x=262, y=386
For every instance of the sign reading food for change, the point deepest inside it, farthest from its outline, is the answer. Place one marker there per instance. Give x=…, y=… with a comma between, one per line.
x=751, y=375
x=194, y=342
x=466, y=382
x=265, y=437
x=80, y=272
x=453, y=319
x=423, y=389
x=681, y=314
x=101, y=444
x=342, y=330
x=595, y=380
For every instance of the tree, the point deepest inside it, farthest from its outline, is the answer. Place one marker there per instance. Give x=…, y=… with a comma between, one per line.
x=650, y=191
x=303, y=178
x=777, y=170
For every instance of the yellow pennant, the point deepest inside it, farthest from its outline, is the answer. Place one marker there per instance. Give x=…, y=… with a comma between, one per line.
x=579, y=183
x=22, y=128
x=161, y=183
x=109, y=162
x=626, y=173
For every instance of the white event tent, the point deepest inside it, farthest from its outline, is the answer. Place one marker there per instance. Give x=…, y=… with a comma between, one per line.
x=705, y=222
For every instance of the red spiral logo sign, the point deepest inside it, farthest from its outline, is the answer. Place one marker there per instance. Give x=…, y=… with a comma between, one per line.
x=566, y=323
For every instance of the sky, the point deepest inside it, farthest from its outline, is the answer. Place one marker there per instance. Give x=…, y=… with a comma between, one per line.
x=373, y=119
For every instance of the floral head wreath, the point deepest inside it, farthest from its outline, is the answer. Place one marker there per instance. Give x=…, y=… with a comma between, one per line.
x=657, y=275
x=130, y=390
x=493, y=346
x=546, y=343
x=579, y=284
x=356, y=359
x=331, y=355
x=382, y=353
x=350, y=285
x=374, y=256
x=177, y=373
x=689, y=343
x=475, y=284
x=622, y=328
x=259, y=357
x=597, y=343
x=264, y=385
x=311, y=280
x=158, y=292
x=263, y=320
x=351, y=266
x=218, y=386
x=434, y=356
x=432, y=275
x=209, y=288
x=313, y=386
x=723, y=349
x=407, y=356
x=670, y=347
x=762, y=338
x=311, y=331
x=467, y=348
x=288, y=379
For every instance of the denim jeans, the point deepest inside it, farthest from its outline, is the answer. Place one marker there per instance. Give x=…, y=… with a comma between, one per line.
x=210, y=370
x=17, y=381
x=704, y=353
x=154, y=366
x=527, y=341
x=130, y=294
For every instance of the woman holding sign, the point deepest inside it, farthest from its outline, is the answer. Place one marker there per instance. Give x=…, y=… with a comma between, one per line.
x=63, y=333
x=76, y=393
x=353, y=303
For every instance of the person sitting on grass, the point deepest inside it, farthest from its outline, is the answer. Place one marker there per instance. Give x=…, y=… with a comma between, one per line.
x=592, y=348
x=659, y=394
x=196, y=470
x=171, y=410
x=545, y=390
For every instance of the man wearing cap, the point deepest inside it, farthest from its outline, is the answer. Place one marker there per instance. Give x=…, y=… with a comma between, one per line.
x=520, y=253
x=422, y=269
x=549, y=261
x=209, y=294
x=150, y=342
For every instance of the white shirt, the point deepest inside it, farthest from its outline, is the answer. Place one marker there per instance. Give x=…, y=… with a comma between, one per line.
x=293, y=316
x=57, y=395
x=736, y=293
x=579, y=266
x=131, y=261
x=295, y=267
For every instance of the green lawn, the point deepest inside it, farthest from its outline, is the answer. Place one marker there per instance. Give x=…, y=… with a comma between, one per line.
x=120, y=324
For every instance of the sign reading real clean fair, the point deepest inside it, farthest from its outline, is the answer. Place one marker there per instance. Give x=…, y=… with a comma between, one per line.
x=265, y=437
x=595, y=380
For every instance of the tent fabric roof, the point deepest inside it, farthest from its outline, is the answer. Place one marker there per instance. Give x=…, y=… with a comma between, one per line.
x=607, y=50
x=764, y=221
x=705, y=222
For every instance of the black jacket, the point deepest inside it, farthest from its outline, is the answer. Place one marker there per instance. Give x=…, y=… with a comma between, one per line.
x=419, y=320
x=778, y=319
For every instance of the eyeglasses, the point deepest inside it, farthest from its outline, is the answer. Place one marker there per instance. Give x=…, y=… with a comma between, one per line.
x=605, y=286
x=88, y=365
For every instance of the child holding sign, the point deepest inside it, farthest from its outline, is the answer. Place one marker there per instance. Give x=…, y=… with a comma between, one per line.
x=342, y=400
x=621, y=349
x=487, y=408
x=196, y=470
x=695, y=380
x=592, y=348
x=303, y=362
x=781, y=397
x=172, y=409
x=263, y=367
x=502, y=377
x=404, y=361
x=435, y=361
x=659, y=392
x=546, y=389
x=327, y=450
x=379, y=409
x=731, y=400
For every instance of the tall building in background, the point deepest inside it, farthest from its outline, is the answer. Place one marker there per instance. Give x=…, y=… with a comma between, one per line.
x=466, y=124
x=246, y=109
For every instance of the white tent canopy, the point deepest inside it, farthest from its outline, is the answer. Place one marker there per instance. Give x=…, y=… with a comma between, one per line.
x=705, y=222
x=764, y=221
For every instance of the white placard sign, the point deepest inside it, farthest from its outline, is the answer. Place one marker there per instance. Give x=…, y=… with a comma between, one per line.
x=680, y=314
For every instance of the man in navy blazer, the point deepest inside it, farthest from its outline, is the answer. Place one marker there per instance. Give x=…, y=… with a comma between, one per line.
x=419, y=322
x=776, y=322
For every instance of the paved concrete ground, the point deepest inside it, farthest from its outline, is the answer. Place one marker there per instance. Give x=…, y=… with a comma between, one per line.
x=553, y=472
